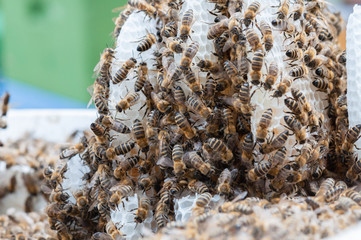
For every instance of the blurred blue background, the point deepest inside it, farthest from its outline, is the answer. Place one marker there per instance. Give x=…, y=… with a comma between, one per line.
x=48, y=48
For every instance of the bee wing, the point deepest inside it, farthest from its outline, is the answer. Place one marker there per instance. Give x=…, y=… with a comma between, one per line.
x=45, y=189
x=165, y=161
x=69, y=152
x=229, y=43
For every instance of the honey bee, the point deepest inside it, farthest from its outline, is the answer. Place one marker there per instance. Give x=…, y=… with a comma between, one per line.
x=184, y=125
x=72, y=151
x=266, y=35
x=232, y=73
x=162, y=105
x=251, y=12
x=230, y=126
x=101, y=104
x=284, y=25
x=5, y=105
x=224, y=182
x=139, y=135
x=122, y=73
x=354, y=171
x=185, y=28
x=110, y=228
x=129, y=100
x=333, y=193
x=297, y=128
x=196, y=105
x=119, y=22
x=147, y=42
x=174, y=46
x=63, y=231
x=263, y=125
x=207, y=65
x=217, y=145
x=105, y=62
x=178, y=164
x=59, y=196
x=161, y=211
x=259, y=171
x=144, y=205
x=298, y=72
x=56, y=177
x=341, y=58
x=325, y=73
x=294, y=54
x=277, y=162
x=170, y=29
x=302, y=159
x=204, y=199
x=355, y=196
x=326, y=185
x=217, y=29
x=142, y=76
x=125, y=165
x=119, y=192
x=253, y=39
x=276, y=143
x=283, y=87
x=297, y=13
x=257, y=62
x=271, y=76
x=192, y=159
x=114, y=125
x=188, y=55
x=321, y=84
x=243, y=64
x=192, y=81
x=309, y=55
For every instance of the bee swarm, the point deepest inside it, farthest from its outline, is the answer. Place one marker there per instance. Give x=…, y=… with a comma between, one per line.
x=235, y=110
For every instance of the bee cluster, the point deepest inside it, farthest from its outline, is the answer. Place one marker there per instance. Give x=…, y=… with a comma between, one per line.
x=254, y=104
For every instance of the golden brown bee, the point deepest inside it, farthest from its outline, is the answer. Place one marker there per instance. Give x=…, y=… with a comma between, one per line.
x=257, y=62
x=224, y=182
x=266, y=35
x=326, y=185
x=294, y=54
x=282, y=11
x=297, y=13
x=217, y=145
x=250, y=13
x=101, y=104
x=277, y=143
x=129, y=100
x=162, y=105
x=277, y=162
x=114, y=125
x=232, y=73
x=321, y=84
x=207, y=65
x=293, y=106
x=56, y=177
x=185, y=28
x=122, y=73
x=299, y=71
x=147, y=42
x=59, y=197
x=297, y=128
x=188, y=55
x=174, y=46
x=142, y=76
x=63, y=231
x=5, y=105
x=302, y=159
x=124, y=166
x=192, y=81
x=177, y=157
x=119, y=192
x=264, y=123
x=259, y=171
x=104, y=64
x=325, y=73
x=217, y=29
x=253, y=39
x=196, y=105
x=119, y=22
x=170, y=29
x=204, y=199
x=283, y=87
x=145, y=183
x=184, y=125
x=333, y=193
x=309, y=55
x=355, y=196
x=73, y=150
x=230, y=125
x=139, y=135
x=192, y=159
x=300, y=39
x=243, y=64
x=271, y=76
x=354, y=171
x=110, y=228
x=173, y=74
x=161, y=211
x=144, y=205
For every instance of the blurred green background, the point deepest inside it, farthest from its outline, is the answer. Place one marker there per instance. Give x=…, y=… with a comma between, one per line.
x=49, y=48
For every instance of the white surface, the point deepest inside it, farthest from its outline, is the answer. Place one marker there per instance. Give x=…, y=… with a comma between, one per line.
x=49, y=124
x=353, y=65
